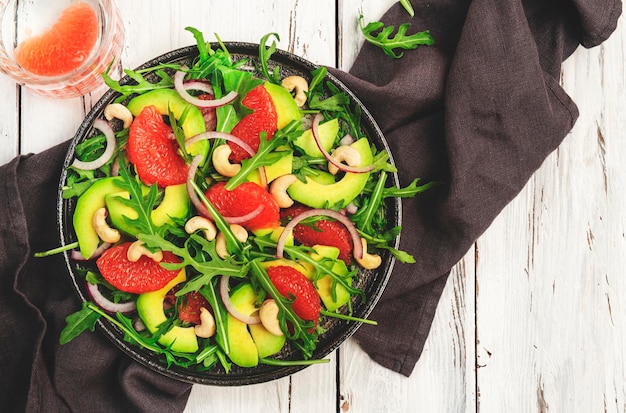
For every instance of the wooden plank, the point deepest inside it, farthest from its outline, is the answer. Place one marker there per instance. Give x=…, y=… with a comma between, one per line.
x=9, y=131
x=443, y=379
x=551, y=327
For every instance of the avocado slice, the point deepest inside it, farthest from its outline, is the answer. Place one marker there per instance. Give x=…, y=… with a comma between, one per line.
x=86, y=206
x=267, y=344
x=168, y=99
x=286, y=107
x=248, y=343
x=340, y=193
x=327, y=133
x=243, y=351
x=150, y=309
x=175, y=204
x=324, y=284
x=282, y=166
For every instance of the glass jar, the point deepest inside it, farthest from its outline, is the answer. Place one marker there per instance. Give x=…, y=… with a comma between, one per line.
x=54, y=26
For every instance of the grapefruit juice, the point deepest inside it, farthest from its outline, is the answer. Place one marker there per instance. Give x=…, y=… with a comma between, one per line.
x=59, y=49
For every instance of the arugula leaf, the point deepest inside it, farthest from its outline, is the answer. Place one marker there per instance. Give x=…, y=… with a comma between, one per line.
x=401, y=40
x=263, y=156
x=203, y=50
x=76, y=323
x=141, y=203
x=265, y=53
x=408, y=7
x=142, y=85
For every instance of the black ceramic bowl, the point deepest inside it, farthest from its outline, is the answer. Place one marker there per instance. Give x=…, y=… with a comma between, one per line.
x=371, y=282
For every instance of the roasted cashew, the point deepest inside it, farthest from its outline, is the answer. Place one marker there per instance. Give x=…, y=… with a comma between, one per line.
x=206, y=328
x=221, y=163
x=137, y=249
x=198, y=222
x=347, y=154
x=299, y=85
x=220, y=241
x=368, y=261
x=268, y=313
x=118, y=111
x=102, y=228
x=278, y=190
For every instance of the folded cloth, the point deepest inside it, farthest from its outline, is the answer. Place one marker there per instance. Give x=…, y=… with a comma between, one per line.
x=480, y=111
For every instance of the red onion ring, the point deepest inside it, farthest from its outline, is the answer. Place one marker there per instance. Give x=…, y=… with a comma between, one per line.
x=179, y=85
x=244, y=218
x=220, y=135
x=106, y=129
x=230, y=307
x=108, y=305
x=357, y=247
x=198, y=85
x=77, y=256
x=230, y=138
x=341, y=166
x=193, y=197
x=351, y=208
x=346, y=140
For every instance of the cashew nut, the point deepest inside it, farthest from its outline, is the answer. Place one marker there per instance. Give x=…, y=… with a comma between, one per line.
x=369, y=261
x=347, y=154
x=118, y=111
x=197, y=222
x=206, y=328
x=278, y=190
x=102, y=228
x=221, y=163
x=137, y=249
x=220, y=242
x=299, y=85
x=268, y=313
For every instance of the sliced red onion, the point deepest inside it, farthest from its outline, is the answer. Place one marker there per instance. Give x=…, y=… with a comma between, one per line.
x=230, y=307
x=77, y=256
x=341, y=166
x=179, y=85
x=246, y=217
x=230, y=138
x=106, y=129
x=108, y=305
x=357, y=247
x=220, y=135
x=351, y=208
x=139, y=325
x=193, y=197
x=346, y=140
x=198, y=85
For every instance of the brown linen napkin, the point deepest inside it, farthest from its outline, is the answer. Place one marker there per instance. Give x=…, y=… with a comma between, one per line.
x=480, y=110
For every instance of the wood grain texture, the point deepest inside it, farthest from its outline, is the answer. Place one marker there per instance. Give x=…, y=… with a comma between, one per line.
x=550, y=318
x=532, y=319
x=9, y=132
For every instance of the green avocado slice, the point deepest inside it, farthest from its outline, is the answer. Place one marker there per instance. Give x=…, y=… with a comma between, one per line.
x=86, y=206
x=150, y=309
x=339, y=193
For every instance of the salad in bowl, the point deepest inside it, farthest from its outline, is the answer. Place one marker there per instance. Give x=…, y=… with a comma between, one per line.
x=229, y=213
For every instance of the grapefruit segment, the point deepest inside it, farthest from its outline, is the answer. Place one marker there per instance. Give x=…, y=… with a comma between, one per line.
x=153, y=150
x=249, y=128
x=63, y=47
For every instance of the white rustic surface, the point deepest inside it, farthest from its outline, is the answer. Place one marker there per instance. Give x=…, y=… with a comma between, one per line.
x=533, y=319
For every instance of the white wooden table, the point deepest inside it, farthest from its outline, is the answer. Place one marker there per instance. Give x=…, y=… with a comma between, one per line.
x=533, y=319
